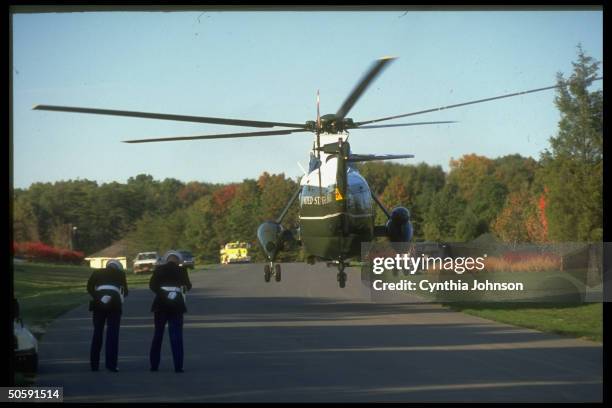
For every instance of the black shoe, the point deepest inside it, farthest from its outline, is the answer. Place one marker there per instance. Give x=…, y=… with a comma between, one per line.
x=179, y=370
x=113, y=369
x=94, y=368
x=153, y=369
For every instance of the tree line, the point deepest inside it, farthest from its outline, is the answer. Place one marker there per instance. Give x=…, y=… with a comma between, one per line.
x=557, y=197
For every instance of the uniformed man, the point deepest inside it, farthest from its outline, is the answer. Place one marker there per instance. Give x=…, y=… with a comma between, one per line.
x=107, y=287
x=169, y=282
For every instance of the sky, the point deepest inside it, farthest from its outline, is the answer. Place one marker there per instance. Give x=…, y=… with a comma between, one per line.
x=268, y=66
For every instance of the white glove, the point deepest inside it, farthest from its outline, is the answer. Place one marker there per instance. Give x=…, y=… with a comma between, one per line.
x=172, y=295
x=105, y=299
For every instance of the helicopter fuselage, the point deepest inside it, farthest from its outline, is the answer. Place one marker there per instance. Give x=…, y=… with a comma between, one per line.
x=328, y=229
x=333, y=224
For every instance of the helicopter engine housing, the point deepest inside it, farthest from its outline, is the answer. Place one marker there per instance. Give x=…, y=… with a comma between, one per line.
x=273, y=238
x=269, y=235
x=399, y=227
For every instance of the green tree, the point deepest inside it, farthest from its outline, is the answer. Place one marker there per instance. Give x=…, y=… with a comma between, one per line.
x=488, y=200
x=200, y=234
x=242, y=214
x=469, y=226
x=25, y=224
x=146, y=235
x=572, y=169
x=515, y=172
x=447, y=208
x=275, y=191
x=376, y=174
x=167, y=195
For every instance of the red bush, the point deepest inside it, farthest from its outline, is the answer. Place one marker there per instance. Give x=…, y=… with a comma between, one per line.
x=527, y=256
x=37, y=251
x=523, y=262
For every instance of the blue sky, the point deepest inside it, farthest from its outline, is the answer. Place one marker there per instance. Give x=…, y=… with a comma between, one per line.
x=268, y=66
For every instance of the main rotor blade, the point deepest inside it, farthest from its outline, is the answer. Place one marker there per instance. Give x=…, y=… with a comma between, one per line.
x=404, y=124
x=220, y=136
x=164, y=116
x=374, y=157
x=362, y=85
x=358, y=124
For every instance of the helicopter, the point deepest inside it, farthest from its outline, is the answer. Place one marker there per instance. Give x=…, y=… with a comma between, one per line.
x=337, y=207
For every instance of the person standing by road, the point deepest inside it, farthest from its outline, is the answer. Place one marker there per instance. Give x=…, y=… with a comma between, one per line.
x=107, y=287
x=169, y=282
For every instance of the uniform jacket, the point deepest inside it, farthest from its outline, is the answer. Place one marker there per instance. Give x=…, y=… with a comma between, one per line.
x=106, y=276
x=169, y=274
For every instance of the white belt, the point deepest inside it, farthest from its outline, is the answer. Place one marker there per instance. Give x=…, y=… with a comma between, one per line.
x=113, y=288
x=172, y=289
x=175, y=289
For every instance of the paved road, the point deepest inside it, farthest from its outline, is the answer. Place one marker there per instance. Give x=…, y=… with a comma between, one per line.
x=305, y=339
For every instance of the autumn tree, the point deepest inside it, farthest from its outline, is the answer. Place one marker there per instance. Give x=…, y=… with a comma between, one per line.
x=511, y=223
x=191, y=192
x=395, y=194
x=522, y=219
x=468, y=173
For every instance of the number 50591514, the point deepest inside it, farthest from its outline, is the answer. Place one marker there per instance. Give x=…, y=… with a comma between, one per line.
x=34, y=393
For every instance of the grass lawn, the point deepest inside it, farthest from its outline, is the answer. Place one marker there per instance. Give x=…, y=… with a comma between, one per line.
x=583, y=320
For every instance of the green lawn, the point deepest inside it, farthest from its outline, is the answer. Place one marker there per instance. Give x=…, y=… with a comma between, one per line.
x=583, y=320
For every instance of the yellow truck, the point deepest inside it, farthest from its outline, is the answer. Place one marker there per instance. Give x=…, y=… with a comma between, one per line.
x=235, y=252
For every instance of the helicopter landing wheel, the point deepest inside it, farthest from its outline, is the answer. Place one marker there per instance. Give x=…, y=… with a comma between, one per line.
x=342, y=279
x=341, y=275
x=277, y=272
x=267, y=273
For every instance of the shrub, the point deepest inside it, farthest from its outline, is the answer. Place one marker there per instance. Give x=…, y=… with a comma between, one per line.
x=523, y=262
x=37, y=251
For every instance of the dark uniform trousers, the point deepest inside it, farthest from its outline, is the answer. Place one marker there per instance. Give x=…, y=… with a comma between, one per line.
x=168, y=310
x=112, y=319
x=175, y=331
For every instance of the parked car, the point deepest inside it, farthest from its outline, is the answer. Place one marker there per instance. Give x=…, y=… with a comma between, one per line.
x=25, y=345
x=188, y=261
x=146, y=262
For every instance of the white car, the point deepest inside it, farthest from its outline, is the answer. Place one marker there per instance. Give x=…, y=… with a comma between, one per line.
x=145, y=262
x=26, y=348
